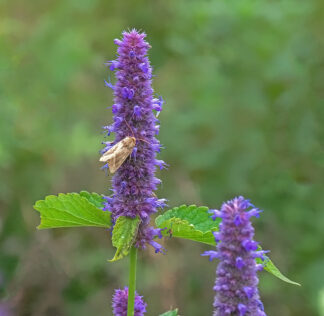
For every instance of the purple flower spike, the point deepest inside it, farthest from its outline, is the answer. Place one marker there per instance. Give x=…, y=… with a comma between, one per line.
x=120, y=300
x=236, y=283
x=134, y=182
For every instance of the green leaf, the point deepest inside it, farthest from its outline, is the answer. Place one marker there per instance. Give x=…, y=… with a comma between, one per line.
x=123, y=235
x=72, y=210
x=94, y=198
x=195, y=223
x=271, y=268
x=170, y=313
x=189, y=222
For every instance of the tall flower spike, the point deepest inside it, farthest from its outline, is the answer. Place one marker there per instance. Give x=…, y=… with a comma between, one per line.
x=134, y=182
x=119, y=303
x=236, y=282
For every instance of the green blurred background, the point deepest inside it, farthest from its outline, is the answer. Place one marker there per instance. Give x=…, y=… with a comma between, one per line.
x=243, y=85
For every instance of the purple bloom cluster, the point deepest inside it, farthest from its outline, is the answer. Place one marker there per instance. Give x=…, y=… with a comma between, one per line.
x=236, y=284
x=134, y=182
x=119, y=303
x=5, y=309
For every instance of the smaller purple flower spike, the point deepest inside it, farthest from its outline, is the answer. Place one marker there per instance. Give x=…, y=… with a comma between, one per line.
x=236, y=283
x=119, y=303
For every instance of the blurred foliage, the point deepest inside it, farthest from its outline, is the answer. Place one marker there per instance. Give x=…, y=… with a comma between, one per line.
x=243, y=84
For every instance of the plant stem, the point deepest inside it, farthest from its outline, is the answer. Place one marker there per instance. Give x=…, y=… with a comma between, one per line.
x=132, y=281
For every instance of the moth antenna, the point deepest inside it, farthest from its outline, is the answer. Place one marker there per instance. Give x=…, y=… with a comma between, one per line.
x=130, y=128
x=143, y=140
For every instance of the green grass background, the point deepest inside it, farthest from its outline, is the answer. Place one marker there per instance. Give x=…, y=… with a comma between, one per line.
x=243, y=85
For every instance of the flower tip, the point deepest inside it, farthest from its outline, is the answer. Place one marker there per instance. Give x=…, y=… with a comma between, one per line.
x=217, y=236
x=261, y=254
x=239, y=263
x=104, y=167
x=237, y=220
x=249, y=291
x=259, y=267
x=118, y=42
x=158, y=248
x=250, y=245
x=109, y=85
x=211, y=254
x=216, y=213
x=242, y=309
x=254, y=212
x=144, y=67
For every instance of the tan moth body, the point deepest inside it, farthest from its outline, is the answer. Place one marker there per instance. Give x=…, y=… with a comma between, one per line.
x=117, y=154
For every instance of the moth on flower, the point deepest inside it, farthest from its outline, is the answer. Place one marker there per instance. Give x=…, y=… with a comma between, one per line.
x=117, y=154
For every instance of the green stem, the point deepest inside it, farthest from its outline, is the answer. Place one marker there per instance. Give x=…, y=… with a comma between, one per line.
x=132, y=281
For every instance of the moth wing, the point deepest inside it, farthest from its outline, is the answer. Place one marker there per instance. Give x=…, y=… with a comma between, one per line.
x=111, y=152
x=117, y=160
x=117, y=154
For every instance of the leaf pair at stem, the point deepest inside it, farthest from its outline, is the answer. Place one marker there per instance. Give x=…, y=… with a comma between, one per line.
x=85, y=209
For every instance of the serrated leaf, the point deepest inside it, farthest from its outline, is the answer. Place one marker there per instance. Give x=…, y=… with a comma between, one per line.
x=72, y=210
x=94, y=198
x=189, y=222
x=170, y=313
x=196, y=215
x=123, y=235
x=195, y=223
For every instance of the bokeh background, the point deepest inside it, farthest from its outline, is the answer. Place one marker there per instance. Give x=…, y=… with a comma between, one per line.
x=243, y=85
